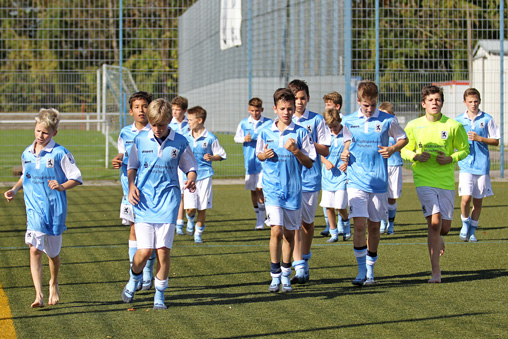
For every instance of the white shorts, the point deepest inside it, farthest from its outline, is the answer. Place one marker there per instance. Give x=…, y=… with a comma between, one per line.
x=477, y=186
x=373, y=206
x=126, y=214
x=154, y=235
x=202, y=197
x=278, y=216
x=309, y=206
x=253, y=181
x=337, y=199
x=394, y=182
x=181, y=180
x=436, y=200
x=49, y=244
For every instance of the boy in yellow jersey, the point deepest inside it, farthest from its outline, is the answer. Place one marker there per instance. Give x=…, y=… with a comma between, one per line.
x=435, y=144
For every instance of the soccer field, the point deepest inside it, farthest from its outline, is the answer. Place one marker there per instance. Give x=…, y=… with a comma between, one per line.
x=219, y=289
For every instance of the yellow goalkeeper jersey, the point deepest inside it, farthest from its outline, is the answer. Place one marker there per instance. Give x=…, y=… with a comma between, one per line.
x=446, y=135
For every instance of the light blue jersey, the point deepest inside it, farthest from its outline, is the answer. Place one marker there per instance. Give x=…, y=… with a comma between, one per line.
x=125, y=139
x=478, y=160
x=252, y=127
x=334, y=179
x=182, y=128
x=157, y=177
x=282, y=174
x=206, y=143
x=395, y=159
x=320, y=134
x=46, y=209
x=367, y=169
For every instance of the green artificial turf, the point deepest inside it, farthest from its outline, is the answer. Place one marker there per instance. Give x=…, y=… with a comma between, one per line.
x=220, y=289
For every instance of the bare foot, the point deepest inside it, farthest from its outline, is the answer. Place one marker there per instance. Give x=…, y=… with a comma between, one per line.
x=441, y=252
x=54, y=294
x=39, y=302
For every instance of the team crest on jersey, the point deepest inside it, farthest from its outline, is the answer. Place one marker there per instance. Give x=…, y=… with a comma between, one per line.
x=444, y=135
x=50, y=163
x=424, y=209
x=309, y=128
x=145, y=165
x=378, y=128
x=420, y=145
x=71, y=158
x=28, y=176
x=174, y=153
x=482, y=124
x=126, y=210
x=205, y=144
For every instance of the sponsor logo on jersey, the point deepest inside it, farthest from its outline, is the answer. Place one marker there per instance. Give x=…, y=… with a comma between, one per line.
x=147, y=151
x=354, y=126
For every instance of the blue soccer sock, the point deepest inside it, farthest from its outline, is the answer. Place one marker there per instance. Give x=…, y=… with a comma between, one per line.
x=334, y=233
x=307, y=257
x=148, y=270
x=299, y=266
x=132, y=284
x=361, y=260
x=340, y=228
x=474, y=226
x=158, y=300
x=133, y=247
x=326, y=219
x=371, y=259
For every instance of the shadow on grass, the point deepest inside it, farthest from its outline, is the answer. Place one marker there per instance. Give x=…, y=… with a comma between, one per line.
x=447, y=277
x=311, y=332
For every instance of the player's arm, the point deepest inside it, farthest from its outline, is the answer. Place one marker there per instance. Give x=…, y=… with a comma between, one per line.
x=344, y=156
x=189, y=165
x=72, y=173
x=387, y=151
x=218, y=151
x=322, y=149
x=9, y=195
x=460, y=145
x=489, y=141
x=117, y=161
x=132, y=171
x=240, y=137
x=262, y=150
x=327, y=163
x=304, y=159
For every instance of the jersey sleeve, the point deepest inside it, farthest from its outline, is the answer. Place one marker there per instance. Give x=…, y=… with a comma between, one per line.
x=493, y=130
x=260, y=144
x=218, y=150
x=346, y=134
x=324, y=137
x=133, y=158
x=188, y=162
x=408, y=152
x=121, y=145
x=308, y=147
x=239, y=136
x=460, y=144
x=70, y=169
x=395, y=131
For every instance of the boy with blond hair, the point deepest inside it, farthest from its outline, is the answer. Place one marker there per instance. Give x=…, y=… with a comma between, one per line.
x=283, y=149
x=154, y=191
x=311, y=185
x=474, y=176
x=366, y=150
x=49, y=170
x=394, y=179
x=334, y=194
x=138, y=103
x=206, y=148
x=435, y=144
x=247, y=134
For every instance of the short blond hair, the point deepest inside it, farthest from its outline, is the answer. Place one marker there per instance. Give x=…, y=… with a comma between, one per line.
x=367, y=90
x=48, y=118
x=333, y=96
x=387, y=107
x=331, y=115
x=159, y=111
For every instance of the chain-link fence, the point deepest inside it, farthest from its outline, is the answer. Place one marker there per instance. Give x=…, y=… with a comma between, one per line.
x=221, y=53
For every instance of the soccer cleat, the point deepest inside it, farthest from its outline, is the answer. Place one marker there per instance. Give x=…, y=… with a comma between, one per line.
x=259, y=227
x=464, y=231
x=333, y=239
x=325, y=233
x=472, y=238
x=179, y=230
x=369, y=281
x=383, y=227
x=347, y=231
x=390, y=231
x=359, y=281
x=147, y=285
x=274, y=285
x=286, y=284
x=197, y=238
x=159, y=306
x=299, y=277
x=127, y=295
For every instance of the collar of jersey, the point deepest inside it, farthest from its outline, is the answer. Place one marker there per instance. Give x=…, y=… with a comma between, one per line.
x=171, y=134
x=479, y=115
x=361, y=115
x=252, y=121
x=275, y=128
x=48, y=148
x=146, y=128
x=203, y=135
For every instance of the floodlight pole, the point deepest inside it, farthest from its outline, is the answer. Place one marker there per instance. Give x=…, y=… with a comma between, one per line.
x=501, y=54
x=347, y=53
x=377, y=43
x=249, y=45
x=123, y=118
